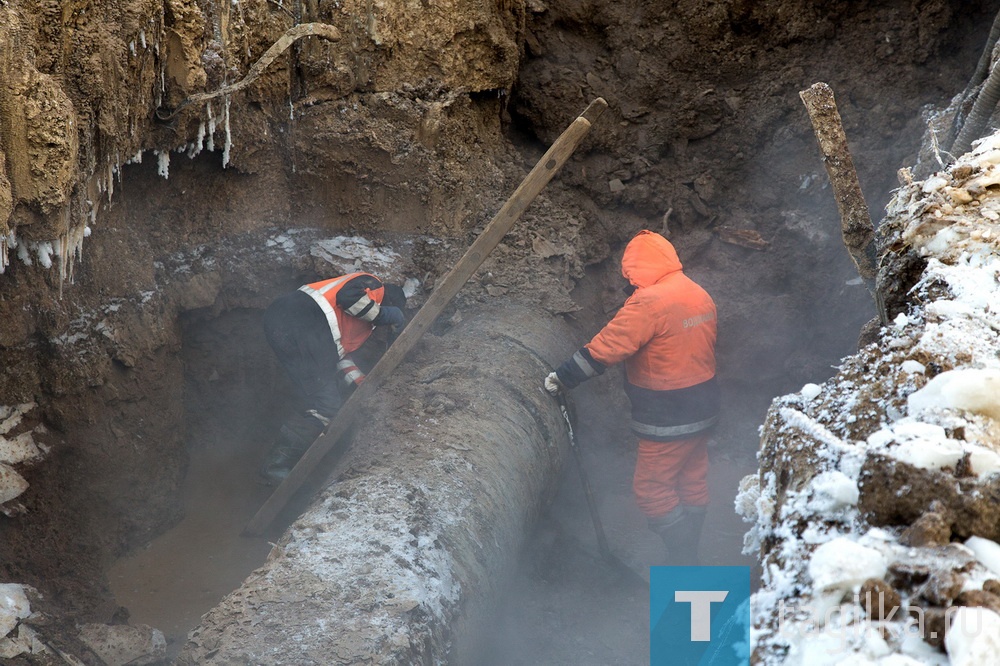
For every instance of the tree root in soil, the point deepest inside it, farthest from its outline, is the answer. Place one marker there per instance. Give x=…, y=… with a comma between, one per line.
x=290, y=37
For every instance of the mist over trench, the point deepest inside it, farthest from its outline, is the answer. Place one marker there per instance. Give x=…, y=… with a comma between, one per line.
x=201, y=398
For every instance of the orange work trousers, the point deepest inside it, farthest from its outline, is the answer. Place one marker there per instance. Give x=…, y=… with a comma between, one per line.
x=668, y=474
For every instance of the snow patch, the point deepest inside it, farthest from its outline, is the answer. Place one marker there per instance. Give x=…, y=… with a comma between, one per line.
x=971, y=389
x=15, y=449
x=833, y=491
x=986, y=551
x=14, y=607
x=354, y=252
x=842, y=565
x=811, y=391
x=974, y=637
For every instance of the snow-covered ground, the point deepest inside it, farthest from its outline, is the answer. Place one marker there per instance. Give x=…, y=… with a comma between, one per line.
x=881, y=484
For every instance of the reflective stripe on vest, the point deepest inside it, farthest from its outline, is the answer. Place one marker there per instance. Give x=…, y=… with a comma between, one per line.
x=331, y=315
x=672, y=431
x=365, y=309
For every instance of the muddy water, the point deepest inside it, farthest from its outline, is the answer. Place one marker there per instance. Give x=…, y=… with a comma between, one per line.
x=186, y=571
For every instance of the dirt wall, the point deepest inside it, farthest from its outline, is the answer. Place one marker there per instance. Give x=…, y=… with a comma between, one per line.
x=87, y=88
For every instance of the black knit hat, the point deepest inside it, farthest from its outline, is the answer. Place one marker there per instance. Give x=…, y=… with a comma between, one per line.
x=394, y=296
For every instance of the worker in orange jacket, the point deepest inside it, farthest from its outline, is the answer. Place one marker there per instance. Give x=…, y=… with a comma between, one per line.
x=665, y=333
x=313, y=331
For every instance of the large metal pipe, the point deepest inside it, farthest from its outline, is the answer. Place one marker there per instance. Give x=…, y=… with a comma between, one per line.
x=399, y=559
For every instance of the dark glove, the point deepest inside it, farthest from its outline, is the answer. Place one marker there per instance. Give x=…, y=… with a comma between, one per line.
x=389, y=315
x=394, y=332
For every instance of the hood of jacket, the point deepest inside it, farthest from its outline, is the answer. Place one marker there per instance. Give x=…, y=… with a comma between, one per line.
x=648, y=258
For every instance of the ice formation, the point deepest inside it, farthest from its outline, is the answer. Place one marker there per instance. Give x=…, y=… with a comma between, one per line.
x=14, y=607
x=353, y=252
x=17, y=445
x=986, y=551
x=67, y=249
x=162, y=163
x=229, y=136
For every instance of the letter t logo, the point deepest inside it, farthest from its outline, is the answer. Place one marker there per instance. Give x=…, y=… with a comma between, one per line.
x=701, y=607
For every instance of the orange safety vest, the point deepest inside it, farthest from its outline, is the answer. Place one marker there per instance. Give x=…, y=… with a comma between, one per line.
x=349, y=332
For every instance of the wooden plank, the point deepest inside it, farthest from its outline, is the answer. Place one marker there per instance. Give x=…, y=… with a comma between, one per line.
x=856, y=226
x=502, y=222
x=856, y=223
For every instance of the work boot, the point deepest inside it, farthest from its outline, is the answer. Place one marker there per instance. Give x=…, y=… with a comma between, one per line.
x=283, y=456
x=697, y=514
x=680, y=530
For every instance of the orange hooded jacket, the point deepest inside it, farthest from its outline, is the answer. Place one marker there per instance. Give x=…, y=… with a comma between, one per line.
x=665, y=333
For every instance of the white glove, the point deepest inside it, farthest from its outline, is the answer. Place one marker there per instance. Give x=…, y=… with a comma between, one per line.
x=553, y=385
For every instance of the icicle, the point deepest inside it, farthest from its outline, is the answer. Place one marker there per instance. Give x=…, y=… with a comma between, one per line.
x=199, y=141
x=291, y=110
x=44, y=252
x=110, y=181
x=60, y=252
x=211, y=129
x=142, y=38
x=67, y=249
x=163, y=163
x=131, y=48
x=71, y=251
x=229, y=138
x=7, y=243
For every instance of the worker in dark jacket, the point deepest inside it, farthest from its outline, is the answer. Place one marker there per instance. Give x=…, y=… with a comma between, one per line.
x=313, y=331
x=665, y=333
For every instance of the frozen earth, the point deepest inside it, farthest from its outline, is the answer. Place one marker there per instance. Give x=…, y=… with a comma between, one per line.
x=875, y=511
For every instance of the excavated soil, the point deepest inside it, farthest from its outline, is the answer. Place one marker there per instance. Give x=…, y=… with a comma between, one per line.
x=147, y=367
